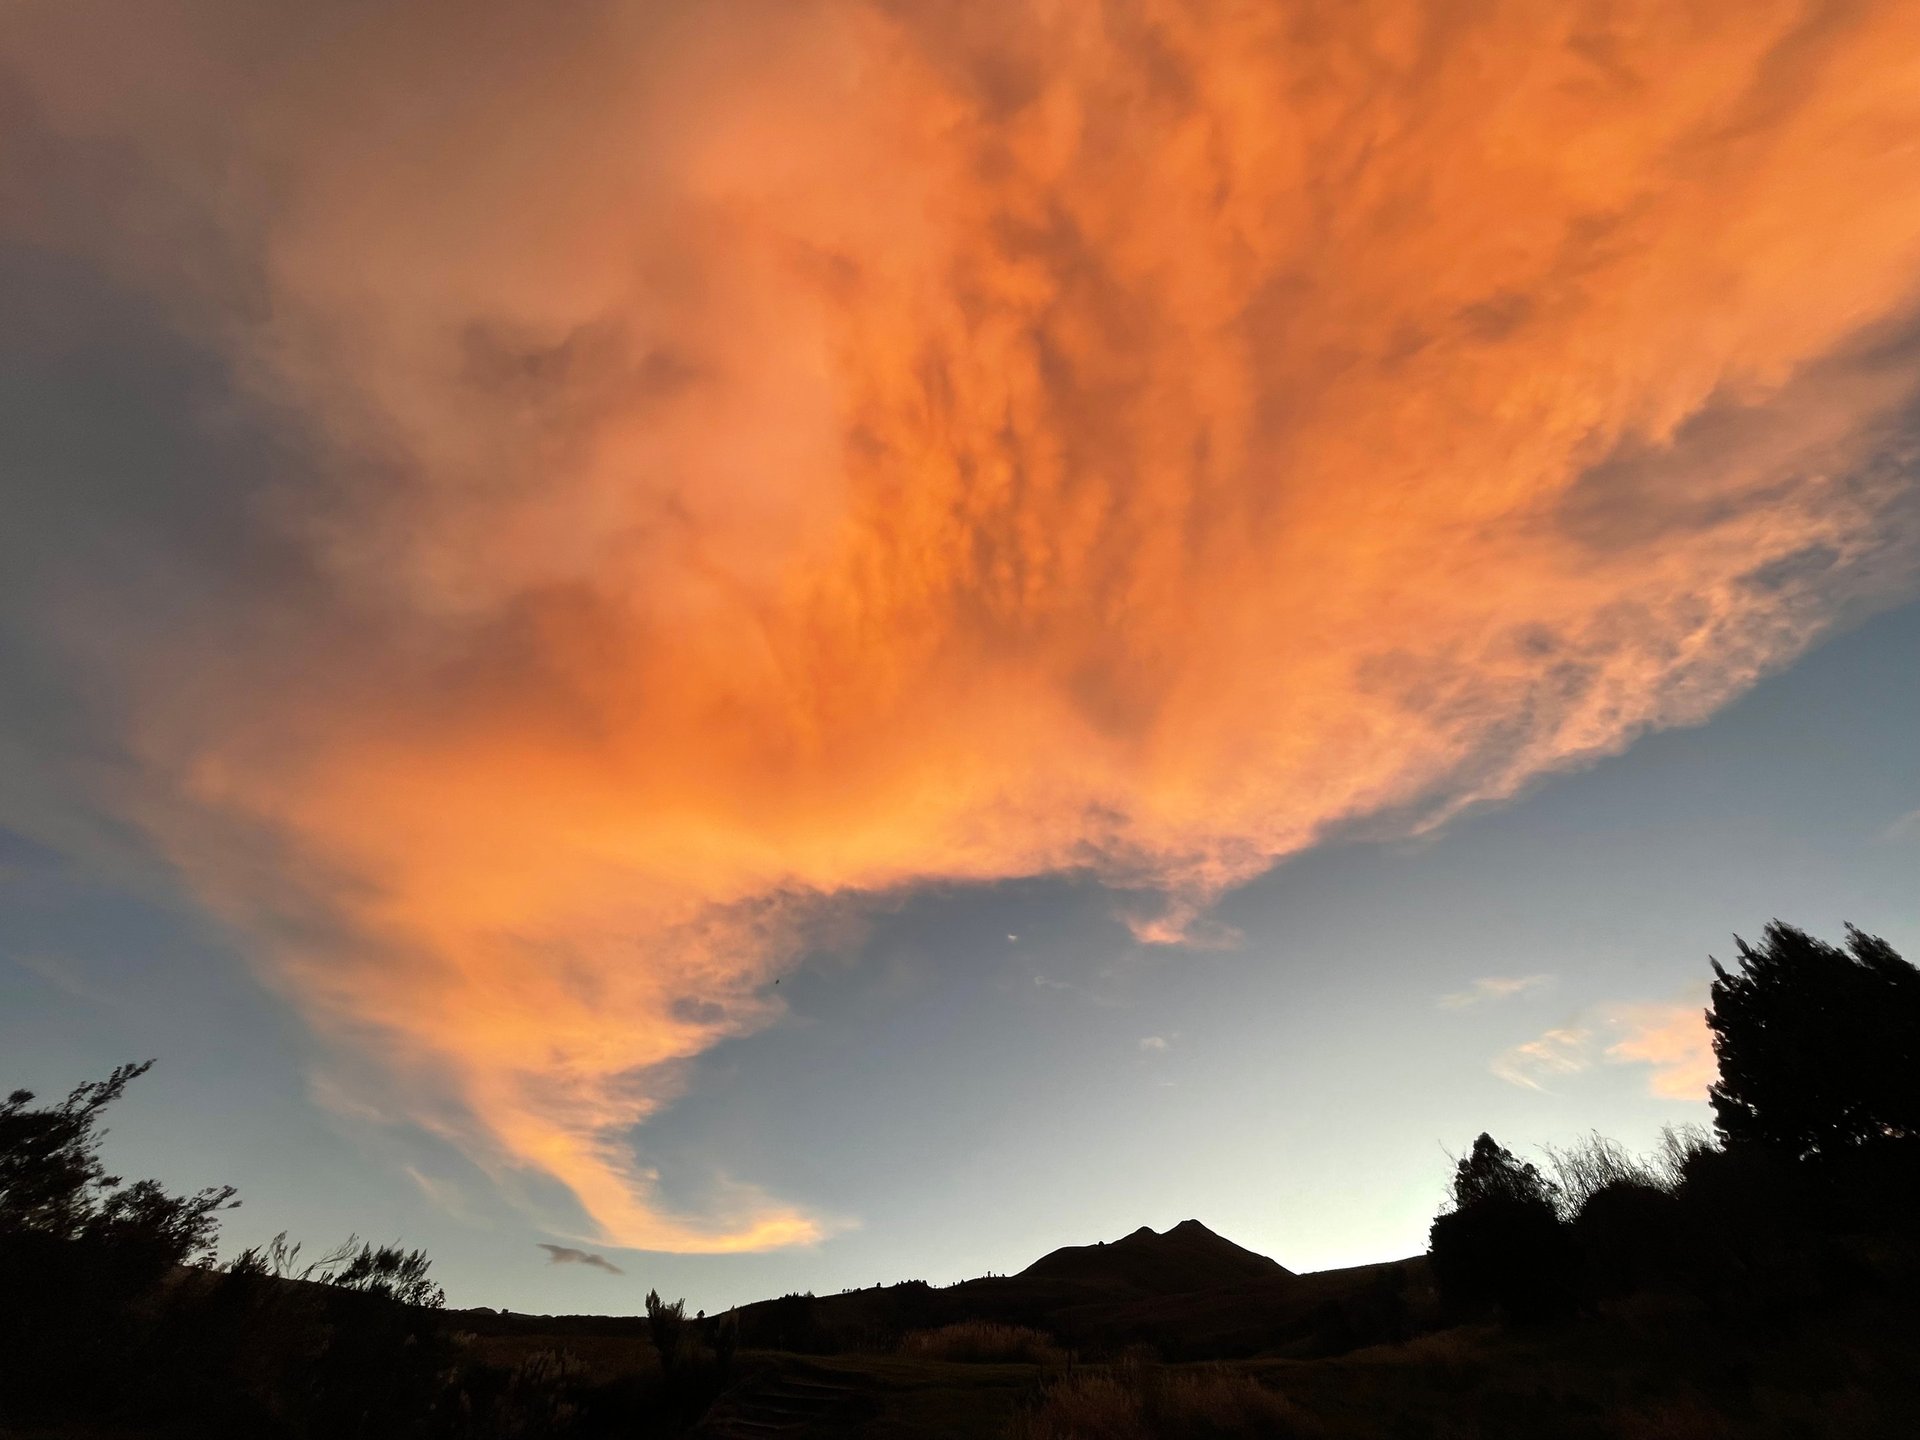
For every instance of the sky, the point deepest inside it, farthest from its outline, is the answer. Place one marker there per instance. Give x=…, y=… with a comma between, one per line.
x=800, y=644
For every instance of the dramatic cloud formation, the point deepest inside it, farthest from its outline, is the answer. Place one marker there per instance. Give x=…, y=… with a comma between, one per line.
x=1492, y=987
x=567, y=1255
x=724, y=460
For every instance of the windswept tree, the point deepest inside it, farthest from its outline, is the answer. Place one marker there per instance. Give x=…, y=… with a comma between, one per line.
x=1819, y=1045
x=100, y=1322
x=53, y=1184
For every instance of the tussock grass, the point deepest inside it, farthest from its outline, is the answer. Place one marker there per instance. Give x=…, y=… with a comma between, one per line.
x=1144, y=1402
x=981, y=1342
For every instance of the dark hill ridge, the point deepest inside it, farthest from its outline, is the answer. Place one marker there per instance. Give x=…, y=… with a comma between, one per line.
x=1186, y=1257
x=1186, y=1291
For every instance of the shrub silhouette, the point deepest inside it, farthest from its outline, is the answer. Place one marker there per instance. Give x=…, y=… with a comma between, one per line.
x=53, y=1184
x=726, y=1342
x=389, y=1273
x=790, y=1322
x=115, y=1312
x=1502, y=1245
x=1592, y=1165
x=1816, y=1046
x=1817, y=1108
x=1630, y=1234
x=82, y=1254
x=116, y=1321
x=664, y=1326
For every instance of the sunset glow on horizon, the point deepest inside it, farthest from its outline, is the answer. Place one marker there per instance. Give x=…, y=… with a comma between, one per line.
x=744, y=464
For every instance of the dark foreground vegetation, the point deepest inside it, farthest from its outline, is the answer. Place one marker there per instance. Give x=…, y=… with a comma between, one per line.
x=1760, y=1279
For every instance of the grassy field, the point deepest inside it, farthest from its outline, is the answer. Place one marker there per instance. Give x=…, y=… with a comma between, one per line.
x=1650, y=1370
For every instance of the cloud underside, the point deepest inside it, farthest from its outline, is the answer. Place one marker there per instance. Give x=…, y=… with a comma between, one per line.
x=741, y=459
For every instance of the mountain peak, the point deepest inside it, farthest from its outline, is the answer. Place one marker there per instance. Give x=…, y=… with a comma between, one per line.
x=1185, y=1257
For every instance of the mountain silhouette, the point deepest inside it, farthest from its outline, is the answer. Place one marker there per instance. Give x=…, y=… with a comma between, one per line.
x=1185, y=1258
x=1187, y=1291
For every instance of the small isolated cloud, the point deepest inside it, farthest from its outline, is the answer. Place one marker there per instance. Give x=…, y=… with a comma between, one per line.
x=63, y=975
x=1493, y=987
x=567, y=1255
x=1153, y=1043
x=1565, y=1051
x=1045, y=982
x=1179, y=924
x=1906, y=827
x=1672, y=1038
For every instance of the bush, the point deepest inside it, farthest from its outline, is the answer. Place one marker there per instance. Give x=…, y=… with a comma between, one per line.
x=85, y=1259
x=1502, y=1246
x=115, y=1313
x=1630, y=1233
x=791, y=1322
x=665, y=1323
x=1589, y=1166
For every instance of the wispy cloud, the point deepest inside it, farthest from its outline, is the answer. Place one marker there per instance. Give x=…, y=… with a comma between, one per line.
x=64, y=974
x=1563, y=1051
x=1492, y=987
x=444, y=1193
x=567, y=1255
x=1669, y=1037
x=1154, y=1043
x=1904, y=827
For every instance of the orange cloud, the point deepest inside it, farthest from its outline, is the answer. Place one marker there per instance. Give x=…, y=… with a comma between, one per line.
x=1670, y=1037
x=774, y=453
x=1675, y=1041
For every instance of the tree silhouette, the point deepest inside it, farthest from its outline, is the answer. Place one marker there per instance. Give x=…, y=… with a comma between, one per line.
x=1502, y=1244
x=1819, y=1046
x=1491, y=1172
x=53, y=1184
